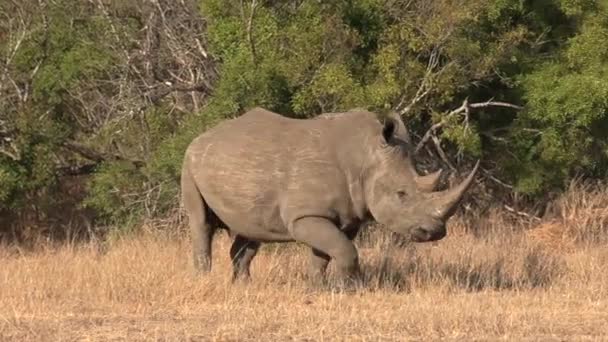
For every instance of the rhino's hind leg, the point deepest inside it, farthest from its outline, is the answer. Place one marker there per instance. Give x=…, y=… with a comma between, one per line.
x=242, y=253
x=201, y=231
x=323, y=236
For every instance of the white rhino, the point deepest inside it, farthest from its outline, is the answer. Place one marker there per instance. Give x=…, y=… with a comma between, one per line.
x=269, y=178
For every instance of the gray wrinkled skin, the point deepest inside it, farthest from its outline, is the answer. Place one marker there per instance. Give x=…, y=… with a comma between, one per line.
x=269, y=178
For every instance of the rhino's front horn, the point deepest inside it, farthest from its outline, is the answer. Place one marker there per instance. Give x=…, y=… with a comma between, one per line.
x=446, y=201
x=429, y=182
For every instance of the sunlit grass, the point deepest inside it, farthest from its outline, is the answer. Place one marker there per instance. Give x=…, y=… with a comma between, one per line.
x=507, y=283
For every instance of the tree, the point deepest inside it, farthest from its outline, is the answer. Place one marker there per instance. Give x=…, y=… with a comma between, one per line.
x=87, y=88
x=109, y=94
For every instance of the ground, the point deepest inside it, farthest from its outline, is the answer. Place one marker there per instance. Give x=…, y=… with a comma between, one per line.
x=143, y=288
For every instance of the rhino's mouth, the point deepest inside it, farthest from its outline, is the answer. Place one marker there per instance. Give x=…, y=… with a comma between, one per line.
x=423, y=235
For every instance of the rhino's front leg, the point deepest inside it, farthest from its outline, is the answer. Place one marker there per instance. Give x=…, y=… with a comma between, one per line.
x=320, y=260
x=242, y=253
x=324, y=237
x=318, y=264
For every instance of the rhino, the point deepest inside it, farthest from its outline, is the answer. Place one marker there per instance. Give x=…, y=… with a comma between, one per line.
x=268, y=178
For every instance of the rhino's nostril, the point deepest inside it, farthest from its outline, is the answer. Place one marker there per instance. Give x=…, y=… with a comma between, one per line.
x=420, y=235
x=438, y=234
x=423, y=235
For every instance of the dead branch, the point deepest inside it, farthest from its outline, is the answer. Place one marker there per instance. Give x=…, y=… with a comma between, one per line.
x=77, y=170
x=249, y=27
x=430, y=133
x=96, y=156
x=496, y=180
x=491, y=103
x=441, y=152
x=521, y=213
x=9, y=154
x=463, y=109
x=425, y=86
x=84, y=151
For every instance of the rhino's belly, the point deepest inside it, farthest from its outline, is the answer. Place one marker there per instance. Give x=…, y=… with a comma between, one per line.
x=254, y=221
x=253, y=225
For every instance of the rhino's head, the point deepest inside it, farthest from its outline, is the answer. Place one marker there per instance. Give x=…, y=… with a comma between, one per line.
x=400, y=198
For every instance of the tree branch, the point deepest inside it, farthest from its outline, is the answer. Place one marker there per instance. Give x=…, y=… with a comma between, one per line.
x=489, y=175
x=431, y=131
x=249, y=28
x=441, y=152
x=84, y=151
x=9, y=154
x=491, y=103
x=98, y=157
x=424, y=88
x=77, y=170
x=464, y=108
x=521, y=213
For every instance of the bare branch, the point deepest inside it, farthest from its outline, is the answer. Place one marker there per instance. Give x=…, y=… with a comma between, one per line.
x=84, y=151
x=77, y=170
x=441, y=152
x=521, y=213
x=9, y=154
x=464, y=108
x=249, y=27
x=425, y=85
x=495, y=104
x=97, y=156
x=491, y=177
x=431, y=131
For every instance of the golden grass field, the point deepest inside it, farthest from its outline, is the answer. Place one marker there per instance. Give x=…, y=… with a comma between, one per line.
x=496, y=281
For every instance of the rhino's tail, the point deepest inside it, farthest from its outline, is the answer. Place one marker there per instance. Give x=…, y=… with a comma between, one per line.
x=201, y=230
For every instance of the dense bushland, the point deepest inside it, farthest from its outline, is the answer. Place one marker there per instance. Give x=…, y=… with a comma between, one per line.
x=99, y=99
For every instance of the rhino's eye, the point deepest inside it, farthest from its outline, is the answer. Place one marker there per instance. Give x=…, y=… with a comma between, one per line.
x=401, y=194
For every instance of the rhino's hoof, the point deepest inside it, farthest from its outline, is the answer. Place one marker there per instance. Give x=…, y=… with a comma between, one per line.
x=348, y=286
x=316, y=281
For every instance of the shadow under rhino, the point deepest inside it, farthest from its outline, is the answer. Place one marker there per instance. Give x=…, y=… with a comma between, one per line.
x=534, y=270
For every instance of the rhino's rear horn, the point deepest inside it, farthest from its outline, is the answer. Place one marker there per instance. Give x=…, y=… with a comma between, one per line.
x=447, y=201
x=429, y=182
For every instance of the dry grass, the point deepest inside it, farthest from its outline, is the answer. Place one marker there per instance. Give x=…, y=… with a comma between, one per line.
x=510, y=284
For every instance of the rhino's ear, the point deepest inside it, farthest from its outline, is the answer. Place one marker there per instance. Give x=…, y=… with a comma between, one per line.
x=388, y=131
x=394, y=130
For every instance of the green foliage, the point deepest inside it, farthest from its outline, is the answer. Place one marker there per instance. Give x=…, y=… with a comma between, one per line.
x=63, y=52
x=69, y=52
x=301, y=58
x=9, y=182
x=332, y=89
x=330, y=57
x=567, y=102
x=114, y=191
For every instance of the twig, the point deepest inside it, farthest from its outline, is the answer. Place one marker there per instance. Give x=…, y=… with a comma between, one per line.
x=424, y=88
x=441, y=152
x=489, y=175
x=249, y=28
x=97, y=156
x=495, y=104
x=464, y=108
x=9, y=154
x=77, y=170
x=429, y=134
x=521, y=213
